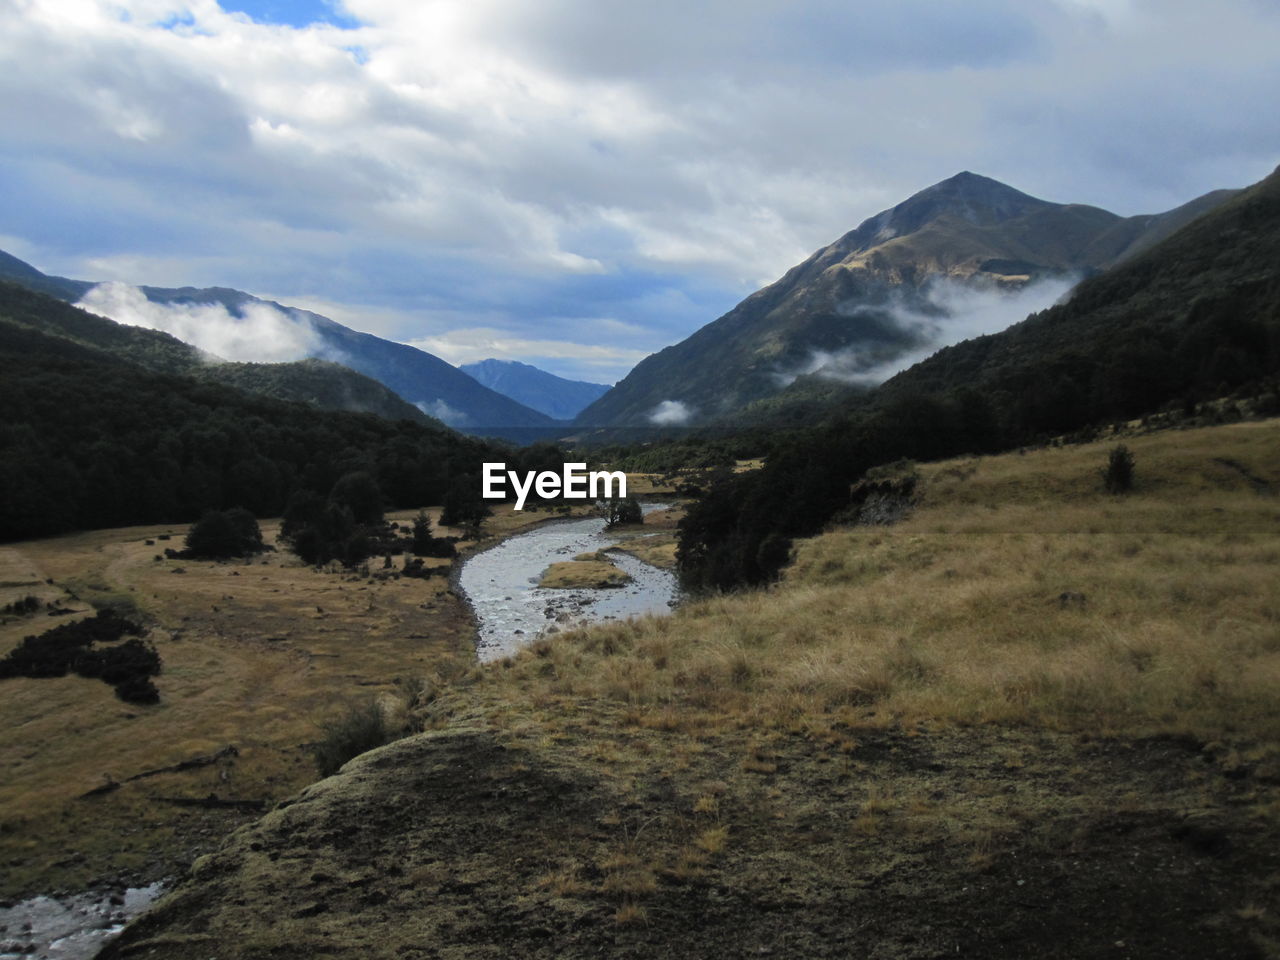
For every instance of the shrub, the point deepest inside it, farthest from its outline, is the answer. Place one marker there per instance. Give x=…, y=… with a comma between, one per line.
x=425, y=545
x=27, y=605
x=623, y=511
x=223, y=534
x=361, y=728
x=1118, y=475
x=90, y=648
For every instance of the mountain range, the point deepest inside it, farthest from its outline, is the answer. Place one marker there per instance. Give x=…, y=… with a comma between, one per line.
x=879, y=294
x=420, y=379
x=545, y=392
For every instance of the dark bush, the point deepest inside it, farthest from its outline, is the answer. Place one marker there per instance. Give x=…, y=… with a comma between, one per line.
x=90, y=648
x=359, y=729
x=426, y=545
x=1118, y=475
x=21, y=608
x=623, y=511
x=224, y=534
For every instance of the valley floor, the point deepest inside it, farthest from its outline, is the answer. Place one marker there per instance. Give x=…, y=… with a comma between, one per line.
x=1031, y=720
x=256, y=654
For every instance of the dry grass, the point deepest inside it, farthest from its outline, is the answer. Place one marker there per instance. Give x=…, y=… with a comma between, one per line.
x=255, y=655
x=1018, y=592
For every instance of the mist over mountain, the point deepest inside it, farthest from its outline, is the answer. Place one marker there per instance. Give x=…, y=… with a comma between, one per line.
x=317, y=383
x=964, y=257
x=545, y=392
x=233, y=325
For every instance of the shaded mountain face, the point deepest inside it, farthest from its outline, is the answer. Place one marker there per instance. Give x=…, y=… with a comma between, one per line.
x=317, y=383
x=432, y=386
x=961, y=253
x=1190, y=317
x=545, y=392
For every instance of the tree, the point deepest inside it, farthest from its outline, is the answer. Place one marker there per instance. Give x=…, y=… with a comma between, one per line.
x=619, y=511
x=360, y=494
x=1118, y=475
x=223, y=534
x=464, y=507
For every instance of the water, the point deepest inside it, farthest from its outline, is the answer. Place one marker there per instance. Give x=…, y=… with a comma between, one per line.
x=70, y=928
x=501, y=585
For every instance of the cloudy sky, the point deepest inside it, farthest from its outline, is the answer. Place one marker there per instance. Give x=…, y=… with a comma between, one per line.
x=578, y=183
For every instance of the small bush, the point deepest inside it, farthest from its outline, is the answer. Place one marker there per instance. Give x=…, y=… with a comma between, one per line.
x=618, y=512
x=21, y=608
x=223, y=534
x=361, y=728
x=1118, y=475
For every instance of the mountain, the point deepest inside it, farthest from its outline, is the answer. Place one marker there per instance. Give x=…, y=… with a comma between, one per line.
x=433, y=386
x=318, y=383
x=871, y=297
x=555, y=396
x=92, y=439
x=1184, y=331
x=1190, y=318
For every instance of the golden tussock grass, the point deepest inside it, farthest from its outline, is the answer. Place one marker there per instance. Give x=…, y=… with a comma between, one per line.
x=1018, y=592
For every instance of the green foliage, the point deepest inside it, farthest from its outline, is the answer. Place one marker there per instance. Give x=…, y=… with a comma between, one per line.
x=223, y=534
x=359, y=493
x=622, y=511
x=90, y=648
x=464, y=506
x=360, y=728
x=1117, y=476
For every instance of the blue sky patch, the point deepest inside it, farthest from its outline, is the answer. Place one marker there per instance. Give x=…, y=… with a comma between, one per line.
x=293, y=13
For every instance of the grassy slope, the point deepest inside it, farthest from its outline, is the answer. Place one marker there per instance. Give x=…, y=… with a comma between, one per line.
x=1032, y=719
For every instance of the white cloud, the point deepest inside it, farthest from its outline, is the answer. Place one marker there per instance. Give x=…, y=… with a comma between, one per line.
x=444, y=413
x=952, y=312
x=261, y=334
x=491, y=158
x=670, y=413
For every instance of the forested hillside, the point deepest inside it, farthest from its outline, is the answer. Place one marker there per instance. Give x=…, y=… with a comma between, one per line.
x=92, y=440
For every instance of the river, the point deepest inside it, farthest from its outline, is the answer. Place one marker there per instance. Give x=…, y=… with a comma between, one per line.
x=501, y=584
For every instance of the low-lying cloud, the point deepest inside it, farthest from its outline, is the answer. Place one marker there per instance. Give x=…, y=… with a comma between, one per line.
x=952, y=312
x=446, y=414
x=260, y=333
x=670, y=413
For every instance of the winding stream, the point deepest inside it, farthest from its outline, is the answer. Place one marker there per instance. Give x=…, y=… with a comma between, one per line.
x=501, y=585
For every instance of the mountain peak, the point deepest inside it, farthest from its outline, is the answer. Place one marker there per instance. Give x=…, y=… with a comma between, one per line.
x=979, y=200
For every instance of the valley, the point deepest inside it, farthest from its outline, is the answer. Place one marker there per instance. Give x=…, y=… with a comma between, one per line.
x=1029, y=713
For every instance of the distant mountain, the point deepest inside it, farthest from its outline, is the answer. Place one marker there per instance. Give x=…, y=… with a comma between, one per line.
x=859, y=302
x=555, y=396
x=318, y=383
x=433, y=386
